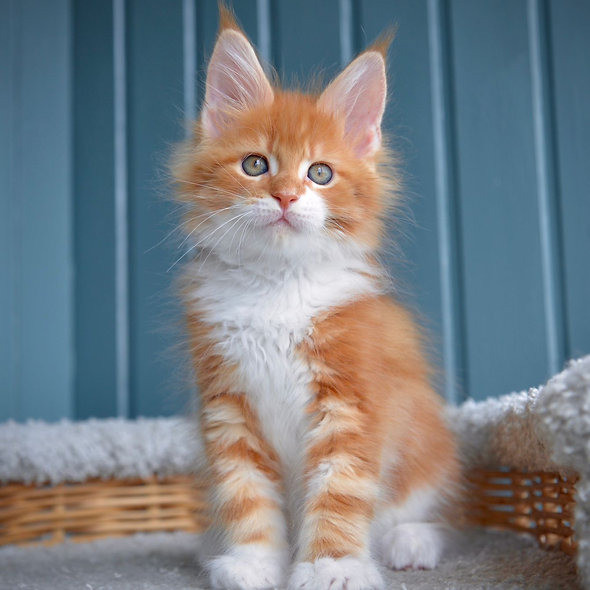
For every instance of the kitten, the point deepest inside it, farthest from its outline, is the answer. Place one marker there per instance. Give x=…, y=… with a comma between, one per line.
x=324, y=440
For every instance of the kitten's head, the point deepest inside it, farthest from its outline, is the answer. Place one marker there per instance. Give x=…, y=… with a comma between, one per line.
x=276, y=174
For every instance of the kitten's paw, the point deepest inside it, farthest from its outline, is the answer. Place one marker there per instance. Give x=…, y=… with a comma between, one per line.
x=416, y=545
x=247, y=568
x=345, y=573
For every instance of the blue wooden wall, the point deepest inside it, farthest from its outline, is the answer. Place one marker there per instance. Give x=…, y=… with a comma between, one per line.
x=489, y=109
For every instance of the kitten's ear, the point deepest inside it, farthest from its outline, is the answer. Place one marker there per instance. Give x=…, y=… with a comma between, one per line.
x=358, y=94
x=235, y=79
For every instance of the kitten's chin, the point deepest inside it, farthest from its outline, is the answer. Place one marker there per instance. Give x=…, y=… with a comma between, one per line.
x=284, y=242
x=295, y=225
x=282, y=225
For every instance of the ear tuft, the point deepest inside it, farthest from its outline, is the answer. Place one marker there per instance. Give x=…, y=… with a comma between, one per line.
x=358, y=95
x=227, y=19
x=235, y=79
x=383, y=42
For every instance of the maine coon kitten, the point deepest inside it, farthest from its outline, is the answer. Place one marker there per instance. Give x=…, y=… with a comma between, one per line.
x=324, y=440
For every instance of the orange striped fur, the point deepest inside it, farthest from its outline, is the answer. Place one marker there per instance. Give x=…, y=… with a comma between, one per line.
x=323, y=436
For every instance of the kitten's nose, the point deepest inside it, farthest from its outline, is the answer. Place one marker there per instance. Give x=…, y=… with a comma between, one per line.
x=285, y=200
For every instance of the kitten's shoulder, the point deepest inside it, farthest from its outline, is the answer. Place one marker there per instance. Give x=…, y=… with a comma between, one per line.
x=375, y=325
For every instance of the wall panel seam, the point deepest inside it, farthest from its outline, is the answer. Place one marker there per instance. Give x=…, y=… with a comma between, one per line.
x=189, y=63
x=547, y=186
x=445, y=157
x=346, y=31
x=15, y=204
x=121, y=209
x=264, y=41
x=71, y=263
x=275, y=48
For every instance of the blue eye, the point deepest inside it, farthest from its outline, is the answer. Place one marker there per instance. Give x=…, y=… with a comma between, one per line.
x=255, y=165
x=320, y=173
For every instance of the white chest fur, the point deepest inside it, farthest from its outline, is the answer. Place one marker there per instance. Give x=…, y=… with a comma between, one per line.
x=259, y=317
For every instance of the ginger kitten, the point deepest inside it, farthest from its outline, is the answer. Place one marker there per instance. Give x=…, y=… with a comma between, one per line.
x=324, y=440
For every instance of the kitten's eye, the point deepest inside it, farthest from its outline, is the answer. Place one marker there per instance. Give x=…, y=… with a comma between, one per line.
x=320, y=173
x=255, y=165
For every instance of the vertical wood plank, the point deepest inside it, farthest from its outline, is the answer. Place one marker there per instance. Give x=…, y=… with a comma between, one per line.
x=94, y=210
x=409, y=126
x=505, y=320
x=121, y=163
x=43, y=230
x=549, y=211
x=348, y=28
x=155, y=121
x=308, y=40
x=9, y=84
x=189, y=62
x=450, y=242
x=263, y=30
x=570, y=34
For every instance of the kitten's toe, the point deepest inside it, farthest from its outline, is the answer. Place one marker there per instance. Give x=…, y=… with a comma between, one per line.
x=416, y=545
x=345, y=573
x=247, y=568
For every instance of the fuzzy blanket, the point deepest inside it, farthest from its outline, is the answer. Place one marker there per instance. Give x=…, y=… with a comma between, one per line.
x=543, y=428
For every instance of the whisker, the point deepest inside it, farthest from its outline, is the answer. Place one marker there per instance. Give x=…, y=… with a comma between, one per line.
x=244, y=221
x=226, y=169
x=239, y=252
x=209, y=216
x=178, y=228
x=203, y=239
x=210, y=187
x=221, y=238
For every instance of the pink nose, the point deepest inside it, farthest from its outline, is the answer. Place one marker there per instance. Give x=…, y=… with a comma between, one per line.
x=285, y=200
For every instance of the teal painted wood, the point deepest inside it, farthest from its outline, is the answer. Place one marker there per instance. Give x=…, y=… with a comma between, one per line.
x=307, y=40
x=409, y=124
x=9, y=67
x=547, y=190
x=121, y=206
x=506, y=337
x=570, y=34
x=453, y=350
x=189, y=62
x=40, y=274
x=94, y=210
x=155, y=121
x=488, y=111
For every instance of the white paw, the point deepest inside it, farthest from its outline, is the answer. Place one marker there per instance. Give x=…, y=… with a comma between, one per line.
x=416, y=545
x=345, y=573
x=247, y=568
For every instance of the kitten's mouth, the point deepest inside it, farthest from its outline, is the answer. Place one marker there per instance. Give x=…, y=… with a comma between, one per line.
x=282, y=221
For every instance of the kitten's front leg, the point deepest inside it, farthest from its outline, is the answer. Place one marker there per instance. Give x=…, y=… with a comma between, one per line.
x=342, y=479
x=246, y=497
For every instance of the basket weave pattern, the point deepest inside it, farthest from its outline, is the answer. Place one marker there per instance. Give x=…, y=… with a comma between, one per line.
x=539, y=503
x=96, y=509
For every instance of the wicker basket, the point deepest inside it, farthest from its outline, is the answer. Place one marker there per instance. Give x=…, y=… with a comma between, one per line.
x=540, y=504
x=99, y=508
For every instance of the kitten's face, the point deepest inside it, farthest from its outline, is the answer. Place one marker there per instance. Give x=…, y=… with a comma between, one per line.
x=278, y=174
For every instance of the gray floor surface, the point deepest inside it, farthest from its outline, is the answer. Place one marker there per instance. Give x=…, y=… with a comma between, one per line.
x=475, y=559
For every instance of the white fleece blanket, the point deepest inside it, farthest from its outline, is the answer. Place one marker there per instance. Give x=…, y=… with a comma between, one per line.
x=542, y=428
